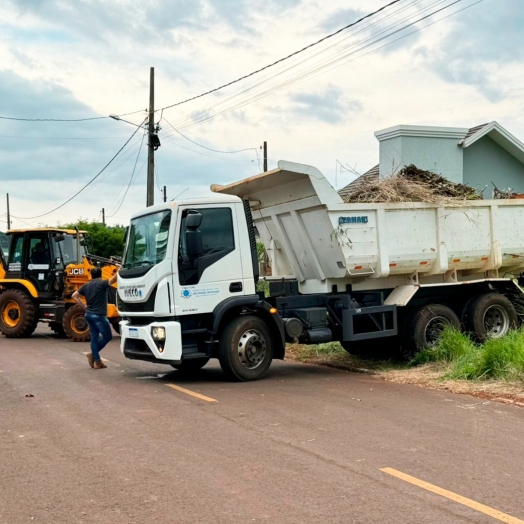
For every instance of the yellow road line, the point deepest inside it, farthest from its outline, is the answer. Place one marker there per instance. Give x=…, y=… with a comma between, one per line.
x=192, y=393
x=502, y=517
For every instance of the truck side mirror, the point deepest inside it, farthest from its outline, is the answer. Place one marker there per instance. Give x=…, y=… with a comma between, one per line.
x=193, y=220
x=193, y=235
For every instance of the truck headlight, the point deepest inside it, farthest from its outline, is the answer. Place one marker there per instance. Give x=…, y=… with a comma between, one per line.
x=158, y=333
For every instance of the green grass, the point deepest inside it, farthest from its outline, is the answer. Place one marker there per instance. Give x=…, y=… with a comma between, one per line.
x=500, y=359
x=322, y=350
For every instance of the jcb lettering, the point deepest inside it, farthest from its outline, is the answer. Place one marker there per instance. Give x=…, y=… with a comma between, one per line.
x=76, y=271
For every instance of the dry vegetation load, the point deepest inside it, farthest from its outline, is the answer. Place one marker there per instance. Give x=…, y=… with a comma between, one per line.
x=411, y=184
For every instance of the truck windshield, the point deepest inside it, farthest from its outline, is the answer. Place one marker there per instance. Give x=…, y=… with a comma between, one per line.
x=147, y=240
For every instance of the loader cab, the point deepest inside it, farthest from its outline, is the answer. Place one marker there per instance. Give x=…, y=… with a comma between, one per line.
x=41, y=255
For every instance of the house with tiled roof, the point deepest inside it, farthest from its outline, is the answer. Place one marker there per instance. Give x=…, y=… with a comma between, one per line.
x=481, y=156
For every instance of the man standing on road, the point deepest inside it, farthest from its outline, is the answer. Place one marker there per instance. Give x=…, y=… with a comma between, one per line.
x=95, y=293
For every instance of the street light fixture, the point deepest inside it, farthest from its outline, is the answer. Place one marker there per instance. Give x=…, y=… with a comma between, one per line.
x=116, y=117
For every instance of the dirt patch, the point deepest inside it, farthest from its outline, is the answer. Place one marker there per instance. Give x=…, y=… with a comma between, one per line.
x=427, y=375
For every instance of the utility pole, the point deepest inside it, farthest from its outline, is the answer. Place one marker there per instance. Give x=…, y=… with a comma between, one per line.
x=103, y=216
x=8, y=214
x=265, y=157
x=165, y=194
x=151, y=151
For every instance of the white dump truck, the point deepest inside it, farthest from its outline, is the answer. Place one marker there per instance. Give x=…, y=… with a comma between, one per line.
x=371, y=276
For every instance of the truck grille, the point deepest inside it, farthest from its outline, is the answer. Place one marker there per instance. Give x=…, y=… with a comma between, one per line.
x=137, y=307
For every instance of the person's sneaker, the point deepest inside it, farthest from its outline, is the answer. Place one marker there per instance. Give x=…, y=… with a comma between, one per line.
x=90, y=359
x=99, y=364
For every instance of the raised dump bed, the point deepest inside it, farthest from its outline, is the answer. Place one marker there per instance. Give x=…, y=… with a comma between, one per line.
x=310, y=234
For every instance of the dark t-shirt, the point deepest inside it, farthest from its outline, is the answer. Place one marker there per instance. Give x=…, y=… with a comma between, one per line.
x=95, y=293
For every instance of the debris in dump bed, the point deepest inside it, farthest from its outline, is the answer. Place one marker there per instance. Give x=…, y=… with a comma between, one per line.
x=411, y=184
x=500, y=194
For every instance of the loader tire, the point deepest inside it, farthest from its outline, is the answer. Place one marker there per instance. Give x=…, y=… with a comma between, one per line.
x=75, y=324
x=489, y=316
x=19, y=314
x=245, y=349
x=423, y=327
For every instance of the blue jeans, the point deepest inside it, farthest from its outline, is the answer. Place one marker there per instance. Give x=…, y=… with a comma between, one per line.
x=98, y=325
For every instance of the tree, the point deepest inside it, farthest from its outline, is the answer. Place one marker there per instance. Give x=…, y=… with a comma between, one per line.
x=106, y=240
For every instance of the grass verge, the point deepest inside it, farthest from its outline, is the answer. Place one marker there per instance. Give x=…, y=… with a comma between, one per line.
x=493, y=370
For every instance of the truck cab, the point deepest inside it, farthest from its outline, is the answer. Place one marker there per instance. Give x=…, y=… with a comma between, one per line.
x=189, y=274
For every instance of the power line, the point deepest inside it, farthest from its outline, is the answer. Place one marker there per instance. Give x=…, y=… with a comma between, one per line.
x=63, y=137
x=64, y=119
x=52, y=119
x=206, y=111
x=169, y=139
x=331, y=62
x=131, y=178
x=284, y=58
x=88, y=184
x=208, y=148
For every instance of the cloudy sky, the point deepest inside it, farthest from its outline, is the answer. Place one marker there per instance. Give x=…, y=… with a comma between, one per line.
x=78, y=59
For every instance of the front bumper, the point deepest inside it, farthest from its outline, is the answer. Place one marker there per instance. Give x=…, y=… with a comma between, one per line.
x=137, y=343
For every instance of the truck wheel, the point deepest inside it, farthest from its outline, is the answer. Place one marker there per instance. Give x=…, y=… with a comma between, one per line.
x=75, y=324
x=245, y=349
x=489, y=316
x=19, y=314
x=191, y=365
x=58, y=329
x=424, y=327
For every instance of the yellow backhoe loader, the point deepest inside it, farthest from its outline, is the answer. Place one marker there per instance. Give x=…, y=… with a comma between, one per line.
x=41, y=270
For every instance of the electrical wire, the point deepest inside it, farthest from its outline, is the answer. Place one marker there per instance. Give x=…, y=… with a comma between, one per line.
x=288, y=68
x=66, y=119
x=63, y=137
x=52, y=119
x=131, y=178
x=168, y=139
x=333, y=61
x=88, y=184
x=282, y=59
x=208, y=148
x=270, y=90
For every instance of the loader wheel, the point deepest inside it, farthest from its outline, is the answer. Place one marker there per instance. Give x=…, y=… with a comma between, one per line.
x=424, y=327
x=75, y=324
x=192, y=365
x=489, y=316
x=19, y=314
x=245, y=350
x=58, y=329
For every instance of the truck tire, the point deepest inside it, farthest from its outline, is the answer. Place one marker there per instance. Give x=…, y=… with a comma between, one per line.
x=423, y=328
x=19, y=314
x=489, y=316
x=192, y=365
x=58, y=329
x=75, y=324
x=245, y=349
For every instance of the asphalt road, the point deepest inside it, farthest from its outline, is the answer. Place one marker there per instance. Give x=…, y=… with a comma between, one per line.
x=305, y=445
